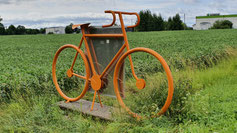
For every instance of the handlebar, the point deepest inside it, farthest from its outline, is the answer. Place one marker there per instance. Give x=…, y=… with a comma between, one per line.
x=114, y=19
x=125, y=13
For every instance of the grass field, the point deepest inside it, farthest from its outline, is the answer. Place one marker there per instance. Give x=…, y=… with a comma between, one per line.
x=203, y=64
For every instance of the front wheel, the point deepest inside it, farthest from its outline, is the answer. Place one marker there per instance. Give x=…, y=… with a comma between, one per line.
x=145, y=91
x=70, y=71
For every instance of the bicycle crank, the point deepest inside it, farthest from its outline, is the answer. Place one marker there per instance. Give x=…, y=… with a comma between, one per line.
x=96, y=84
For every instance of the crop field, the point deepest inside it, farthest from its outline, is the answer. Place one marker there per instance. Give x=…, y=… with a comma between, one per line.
x=201, y=62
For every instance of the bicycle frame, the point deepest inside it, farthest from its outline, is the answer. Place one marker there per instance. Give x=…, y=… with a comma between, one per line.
x=96, y=78
x=119, y=53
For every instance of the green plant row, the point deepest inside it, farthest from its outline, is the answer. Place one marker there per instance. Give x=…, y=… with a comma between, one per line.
x=26, y=61
x=219, y=16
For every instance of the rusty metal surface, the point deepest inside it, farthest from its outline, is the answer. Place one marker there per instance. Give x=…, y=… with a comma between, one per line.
x=84, y=107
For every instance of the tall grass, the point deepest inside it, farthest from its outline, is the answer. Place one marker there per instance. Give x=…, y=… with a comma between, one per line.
x=26, y=61
x=204, y=101
x=41, y=114
x=189, y=111
x=28, y=97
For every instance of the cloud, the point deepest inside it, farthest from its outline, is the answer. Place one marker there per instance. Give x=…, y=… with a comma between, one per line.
x=13, y=1
x=190, y=1
x=61, y=13
x=43, y=13
x=4, y=2
x=226, y=7
x=62, y=20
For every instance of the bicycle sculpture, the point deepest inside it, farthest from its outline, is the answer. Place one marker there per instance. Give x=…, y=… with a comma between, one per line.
x=96, y=80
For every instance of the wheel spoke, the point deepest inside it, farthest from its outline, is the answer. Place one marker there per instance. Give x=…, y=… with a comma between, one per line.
x=79, y=76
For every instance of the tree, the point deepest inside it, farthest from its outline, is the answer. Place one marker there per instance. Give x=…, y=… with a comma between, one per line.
x=36, y=31
x=11, y=30
x=150, y=22
x=224, y=24
x=175, y=23
x=227, y=23
x=165, y=25
x=20, y=30
x=184, y=26
x=144, y=20
x=2, y=28
x=141, y=25
x=32, y=31
x=170, y=24
x=158, y=22
x=153, y=22
x=42, y=30
x=69, y=29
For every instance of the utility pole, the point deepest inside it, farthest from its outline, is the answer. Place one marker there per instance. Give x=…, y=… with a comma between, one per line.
x=184, y=20
x=184, y=17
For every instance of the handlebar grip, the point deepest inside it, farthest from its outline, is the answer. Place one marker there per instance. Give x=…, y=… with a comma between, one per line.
x=108, y=11
x=114, y=18
x=125, y=13
x=138, y=20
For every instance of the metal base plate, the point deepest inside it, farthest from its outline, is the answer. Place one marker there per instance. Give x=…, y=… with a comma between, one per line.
x=84, y=107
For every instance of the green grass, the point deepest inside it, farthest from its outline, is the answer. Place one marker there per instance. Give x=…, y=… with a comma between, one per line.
x=211, y=108
x=203, y=98
x=214, y=108
x=26, y=61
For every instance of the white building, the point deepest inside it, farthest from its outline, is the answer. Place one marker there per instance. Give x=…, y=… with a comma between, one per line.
x=206, y=22
x=55, y=30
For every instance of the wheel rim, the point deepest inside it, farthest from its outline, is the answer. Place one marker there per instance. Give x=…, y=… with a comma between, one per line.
x=87, y=74
x=168, y=75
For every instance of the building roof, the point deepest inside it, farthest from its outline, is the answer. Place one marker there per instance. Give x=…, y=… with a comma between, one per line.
x=219, y=16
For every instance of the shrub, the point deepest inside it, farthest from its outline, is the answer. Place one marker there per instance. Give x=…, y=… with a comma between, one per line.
x=150, y=101
x=224, y=24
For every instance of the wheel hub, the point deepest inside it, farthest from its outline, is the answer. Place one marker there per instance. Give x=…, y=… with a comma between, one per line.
x=96, y=82
x=141, y=83
x=69, y=73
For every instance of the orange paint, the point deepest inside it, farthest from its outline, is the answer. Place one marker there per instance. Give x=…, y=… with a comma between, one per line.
x=96, y=79
x=141, y=83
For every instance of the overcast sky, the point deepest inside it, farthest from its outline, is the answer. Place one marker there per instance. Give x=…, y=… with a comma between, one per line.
x=49, y=13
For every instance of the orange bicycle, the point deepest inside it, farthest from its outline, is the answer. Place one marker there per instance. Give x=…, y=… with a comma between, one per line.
x=89, y=75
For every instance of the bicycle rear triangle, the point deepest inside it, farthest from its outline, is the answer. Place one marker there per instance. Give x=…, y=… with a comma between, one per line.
x=103, y=62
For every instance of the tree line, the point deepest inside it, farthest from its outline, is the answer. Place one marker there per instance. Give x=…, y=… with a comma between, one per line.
x=148, y=22
x=154, y=22
x=69, y=30
x=19, y=30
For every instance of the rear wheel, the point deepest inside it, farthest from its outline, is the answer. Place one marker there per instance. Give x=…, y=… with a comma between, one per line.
x=70, y=72
x=143, y=95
